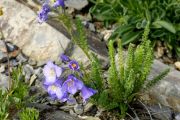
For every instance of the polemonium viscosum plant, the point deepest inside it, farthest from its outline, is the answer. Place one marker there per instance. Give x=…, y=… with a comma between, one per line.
x=62, y=88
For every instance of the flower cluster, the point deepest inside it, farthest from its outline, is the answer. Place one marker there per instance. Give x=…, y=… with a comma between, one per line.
x=43, y=13
x=62, y=87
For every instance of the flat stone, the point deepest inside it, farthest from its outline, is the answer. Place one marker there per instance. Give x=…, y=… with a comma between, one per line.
x=59, y=115
x=77, y=4
x=78, y=108
x=21, y=58
x=177, y=65
x=161, y=112
x=40, y=42
x=4, y=81
x=167, y=91
x=28, y=71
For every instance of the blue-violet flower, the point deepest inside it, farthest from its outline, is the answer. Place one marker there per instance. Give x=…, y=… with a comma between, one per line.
x=55, y=91
x=86, y=93
x=73, y=65
x=51, y=72
x=43, y=14
x=64, y=58
x=72, y=84
x=59, y=3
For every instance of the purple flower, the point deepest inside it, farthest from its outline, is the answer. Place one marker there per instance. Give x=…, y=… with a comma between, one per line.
x=72, y=84
x=59, y=3
x=43, y=14
x=55, y=91
x=86, y=93
x=73, y=65
x=64, y=58
x=51, y=72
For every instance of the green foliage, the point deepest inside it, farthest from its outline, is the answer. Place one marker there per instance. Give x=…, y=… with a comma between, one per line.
x=4, y=104
x=19, y=88
x=131, y=17
x=15, y=98
x=29, y=114
x=126, y=77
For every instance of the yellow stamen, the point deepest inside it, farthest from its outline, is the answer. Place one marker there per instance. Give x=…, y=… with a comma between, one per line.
x=52, y=72
x=53, y=87
x=74, y=65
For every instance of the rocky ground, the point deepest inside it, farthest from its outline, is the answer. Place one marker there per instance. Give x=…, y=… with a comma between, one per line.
x=31, y=45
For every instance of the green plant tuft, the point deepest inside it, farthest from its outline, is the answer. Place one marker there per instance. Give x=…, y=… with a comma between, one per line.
x=126, y=77
x=29, y=114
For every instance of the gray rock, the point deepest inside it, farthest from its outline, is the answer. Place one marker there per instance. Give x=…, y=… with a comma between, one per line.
x=32, y=62
x=21, y=58
x=4, y=81
x=168, y=89
x=177, y=116
x=3, y=51
x=40, y=46
x=88, y=107
x=40, y=42
x=71, y=112
x=40, y=107
x=27, y=71
x=2, y=68
x=59, y=115
x=161, y=112
x=39, y=73
x=78, y=109
x=90, y=118
x=32, y=79
x=13, y=62
x=11, y=47
x=67, y=107
x=77, y=4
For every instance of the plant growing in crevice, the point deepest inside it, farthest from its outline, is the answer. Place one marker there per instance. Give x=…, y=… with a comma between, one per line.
x=29, y=114
x=126, y=77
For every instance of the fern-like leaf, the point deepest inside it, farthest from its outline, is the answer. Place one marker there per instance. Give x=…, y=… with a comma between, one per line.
x=152, y=82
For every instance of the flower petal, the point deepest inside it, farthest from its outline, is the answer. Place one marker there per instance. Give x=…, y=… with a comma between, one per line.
x=86, y=93
x=58, y=71
x=79, y=84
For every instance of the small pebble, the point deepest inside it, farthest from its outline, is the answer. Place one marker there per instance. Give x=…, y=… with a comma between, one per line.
x=71, y=112
x=88, y=107
x=177, y=117
x=27, y=71
x=32, y=79
x=177, y=65
x=78, y=109
x=32, y=62
x=2, y=68
x=11, y=47
x=21, y=58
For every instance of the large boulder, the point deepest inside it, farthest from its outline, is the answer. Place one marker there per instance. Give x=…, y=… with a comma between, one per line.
x=40, y=42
